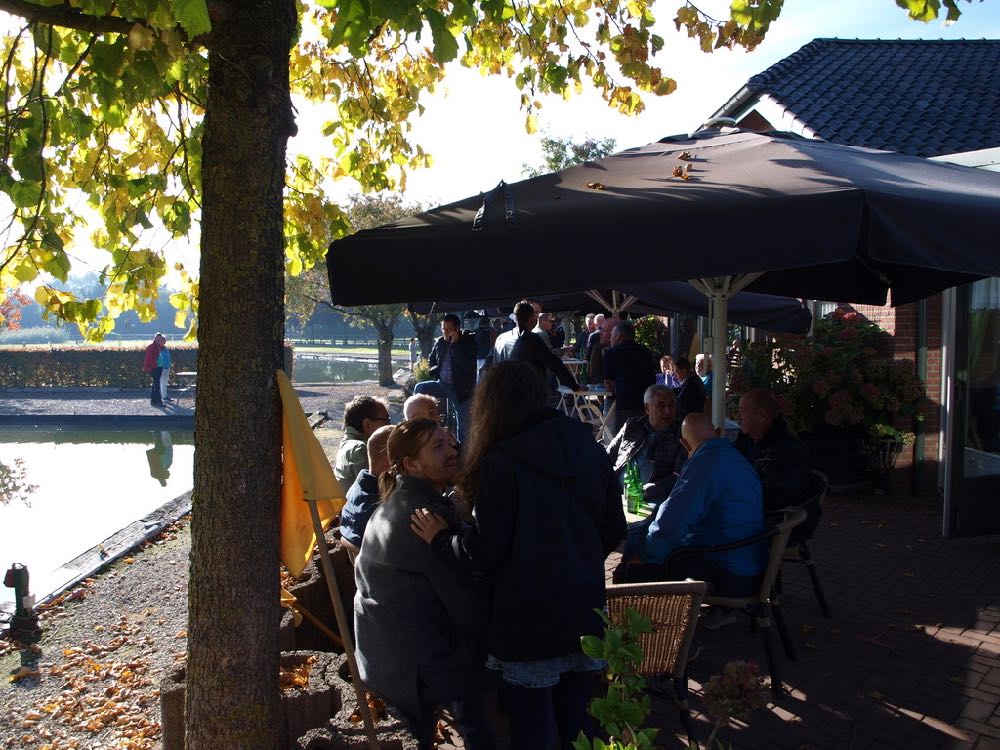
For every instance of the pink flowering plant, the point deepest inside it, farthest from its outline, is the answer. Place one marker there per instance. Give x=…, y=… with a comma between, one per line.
x=838, y=376
x=734, y=694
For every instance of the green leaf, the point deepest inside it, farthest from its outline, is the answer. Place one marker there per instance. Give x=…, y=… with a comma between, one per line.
x=921, y=10
x=445, y=45
x=192, y=15
x=592, y=646
x=25, y=193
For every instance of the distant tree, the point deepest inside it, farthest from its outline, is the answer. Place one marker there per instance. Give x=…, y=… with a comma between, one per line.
x=560, y=153
x=10, y=310
x=426, y=328
x=311, y=288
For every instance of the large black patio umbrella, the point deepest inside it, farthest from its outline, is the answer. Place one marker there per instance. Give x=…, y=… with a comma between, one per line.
x=726, y=210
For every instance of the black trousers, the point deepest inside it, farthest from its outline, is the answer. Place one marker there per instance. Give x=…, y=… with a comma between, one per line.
x=154, y=392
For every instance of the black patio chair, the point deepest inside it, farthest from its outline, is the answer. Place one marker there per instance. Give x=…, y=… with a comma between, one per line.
x=797, y=550
x=763, y=606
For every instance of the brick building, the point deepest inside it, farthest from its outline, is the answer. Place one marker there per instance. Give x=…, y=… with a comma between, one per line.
x=939, y=100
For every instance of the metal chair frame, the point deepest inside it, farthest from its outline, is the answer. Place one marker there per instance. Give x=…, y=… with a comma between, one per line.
x=763, y=606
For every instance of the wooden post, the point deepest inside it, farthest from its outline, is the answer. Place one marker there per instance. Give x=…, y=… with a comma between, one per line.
x=342, y=625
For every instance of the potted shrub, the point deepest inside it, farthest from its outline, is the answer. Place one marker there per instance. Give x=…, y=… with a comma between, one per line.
x=839, y=382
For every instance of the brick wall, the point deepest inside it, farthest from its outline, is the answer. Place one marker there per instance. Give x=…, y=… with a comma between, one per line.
x=901, y=323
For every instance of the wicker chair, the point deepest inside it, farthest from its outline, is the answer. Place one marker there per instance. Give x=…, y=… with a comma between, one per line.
x=797, y=550
x=672, y=607
x=762, y=606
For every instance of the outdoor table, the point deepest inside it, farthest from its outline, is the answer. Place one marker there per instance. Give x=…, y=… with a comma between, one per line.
x=573, y=364
x=644, y=512
x=588, y=406
x=186, y=381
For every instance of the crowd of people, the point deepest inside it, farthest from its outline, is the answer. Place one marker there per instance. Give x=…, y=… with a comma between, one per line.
x=479, y=555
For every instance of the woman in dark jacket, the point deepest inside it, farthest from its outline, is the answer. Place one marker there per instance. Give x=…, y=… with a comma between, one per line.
x=549, y=511
x=419, y=621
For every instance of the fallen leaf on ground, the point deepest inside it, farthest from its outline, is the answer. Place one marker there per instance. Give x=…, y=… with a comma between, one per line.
x=22, y=673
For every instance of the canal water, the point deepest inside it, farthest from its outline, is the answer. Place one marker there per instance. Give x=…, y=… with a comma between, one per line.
x=63, y=491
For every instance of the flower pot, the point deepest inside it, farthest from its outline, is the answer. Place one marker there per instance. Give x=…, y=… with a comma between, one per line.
x=834, y=451
x=880, y=454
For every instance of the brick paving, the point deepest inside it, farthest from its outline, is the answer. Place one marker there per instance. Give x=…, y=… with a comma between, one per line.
x=910, y=657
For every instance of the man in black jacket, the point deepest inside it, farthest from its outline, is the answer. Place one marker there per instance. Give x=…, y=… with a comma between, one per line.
x=691, y=394
x=530, y=348
x=654, y=441
x=453, y=369
x=629, y=369
x=780, y=459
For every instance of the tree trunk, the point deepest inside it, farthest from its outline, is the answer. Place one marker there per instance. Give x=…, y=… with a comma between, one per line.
x=232, y=686
x=425, y=326
x=385, y=339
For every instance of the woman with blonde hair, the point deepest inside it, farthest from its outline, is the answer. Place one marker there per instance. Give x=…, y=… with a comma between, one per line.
x=419, y=623
x=548, y=511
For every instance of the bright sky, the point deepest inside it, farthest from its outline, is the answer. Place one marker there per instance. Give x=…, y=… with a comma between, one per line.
x=474, y=128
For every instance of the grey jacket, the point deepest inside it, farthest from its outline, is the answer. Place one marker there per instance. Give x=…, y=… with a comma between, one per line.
x=352, y=457
x=417, y=620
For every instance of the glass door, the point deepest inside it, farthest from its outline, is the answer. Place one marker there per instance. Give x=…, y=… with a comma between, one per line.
x=974, y=506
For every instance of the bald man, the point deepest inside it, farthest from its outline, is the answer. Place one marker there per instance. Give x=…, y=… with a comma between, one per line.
x=717, y=499
x=363, y=496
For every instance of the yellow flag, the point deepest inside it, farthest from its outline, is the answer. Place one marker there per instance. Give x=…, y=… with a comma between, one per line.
x=306, y=474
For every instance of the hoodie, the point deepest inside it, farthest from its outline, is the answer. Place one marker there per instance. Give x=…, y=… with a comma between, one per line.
x=549, y=512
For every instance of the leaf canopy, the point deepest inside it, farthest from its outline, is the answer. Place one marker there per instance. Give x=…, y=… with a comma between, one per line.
x=104, y=100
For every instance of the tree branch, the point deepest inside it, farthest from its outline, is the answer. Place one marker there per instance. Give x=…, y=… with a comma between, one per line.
x=70, y=18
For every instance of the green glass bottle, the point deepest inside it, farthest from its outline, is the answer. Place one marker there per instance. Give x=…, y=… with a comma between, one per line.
x=633, y=488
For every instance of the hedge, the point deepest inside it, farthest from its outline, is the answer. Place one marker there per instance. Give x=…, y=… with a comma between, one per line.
x=46, y=366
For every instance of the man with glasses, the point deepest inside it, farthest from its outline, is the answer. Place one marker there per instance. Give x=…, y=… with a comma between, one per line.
x=362, y=416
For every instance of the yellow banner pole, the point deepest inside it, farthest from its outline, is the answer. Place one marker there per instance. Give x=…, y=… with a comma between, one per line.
x=342, y=625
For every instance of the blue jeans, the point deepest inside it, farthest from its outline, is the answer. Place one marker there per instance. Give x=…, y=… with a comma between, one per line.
x=446, y=390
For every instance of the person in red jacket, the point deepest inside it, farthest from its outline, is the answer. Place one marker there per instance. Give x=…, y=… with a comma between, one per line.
x=149, y=366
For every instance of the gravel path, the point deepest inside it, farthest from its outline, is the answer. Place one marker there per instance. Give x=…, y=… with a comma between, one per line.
x=107, y=643
x=105, y=647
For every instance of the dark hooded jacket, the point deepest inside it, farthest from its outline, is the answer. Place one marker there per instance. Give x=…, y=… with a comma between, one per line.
x=549, y=512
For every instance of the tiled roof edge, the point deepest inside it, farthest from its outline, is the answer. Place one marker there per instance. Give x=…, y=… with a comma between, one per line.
x=762, y=80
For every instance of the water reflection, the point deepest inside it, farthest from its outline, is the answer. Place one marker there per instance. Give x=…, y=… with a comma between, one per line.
x=317, y=369
x=160, y=456
x=81, y=486
x=13, y=485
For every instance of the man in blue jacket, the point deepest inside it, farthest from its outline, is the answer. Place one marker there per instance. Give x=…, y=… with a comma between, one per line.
x=717, y=499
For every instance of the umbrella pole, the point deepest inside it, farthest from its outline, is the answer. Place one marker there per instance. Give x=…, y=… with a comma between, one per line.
x=719, y=309
x=342, y=625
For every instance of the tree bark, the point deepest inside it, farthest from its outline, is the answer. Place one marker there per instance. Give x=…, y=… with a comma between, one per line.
x=425, y=326
x=385, y=339
x=232, y=693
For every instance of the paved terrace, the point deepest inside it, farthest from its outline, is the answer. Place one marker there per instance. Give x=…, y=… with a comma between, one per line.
x=910, y=658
